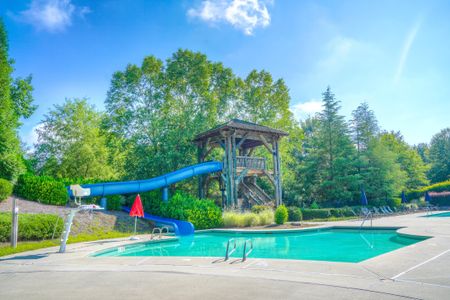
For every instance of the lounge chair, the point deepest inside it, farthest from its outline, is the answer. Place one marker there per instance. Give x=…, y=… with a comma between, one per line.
x=383, y=210
x=388, y=208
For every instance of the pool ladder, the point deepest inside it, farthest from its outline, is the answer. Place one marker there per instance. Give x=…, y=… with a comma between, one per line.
x=230, y=251
x=245, y=253
x=367, y=216
x=160, y=231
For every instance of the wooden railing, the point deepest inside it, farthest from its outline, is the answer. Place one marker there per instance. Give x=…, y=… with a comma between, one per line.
x=257, y=163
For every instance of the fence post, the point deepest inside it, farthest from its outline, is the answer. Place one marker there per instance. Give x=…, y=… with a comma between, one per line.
x=15, y=223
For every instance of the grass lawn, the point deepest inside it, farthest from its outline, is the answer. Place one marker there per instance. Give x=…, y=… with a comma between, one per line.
x=33, y=245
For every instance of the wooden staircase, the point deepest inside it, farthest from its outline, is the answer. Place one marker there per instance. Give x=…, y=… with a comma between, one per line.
x=254, y=194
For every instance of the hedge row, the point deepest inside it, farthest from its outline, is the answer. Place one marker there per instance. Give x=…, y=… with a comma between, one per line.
x=31, y=226
x=441, y=200
x=43, y=189
x=323, y=213
x=6, y=189
x=437, y=187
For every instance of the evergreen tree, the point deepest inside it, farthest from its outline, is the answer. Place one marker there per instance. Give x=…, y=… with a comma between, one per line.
x=424, y=151
x=364, y=126
x=329, y=158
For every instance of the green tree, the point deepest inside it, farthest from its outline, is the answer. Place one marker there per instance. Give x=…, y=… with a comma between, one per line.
x=327, y=163
x=384, y=178
x=440, y=156
x=71, y=144
x=409, y=160
x=305, y=161
x=155, y=109
x=15, y=102
x=424, y=151
x=364, y=126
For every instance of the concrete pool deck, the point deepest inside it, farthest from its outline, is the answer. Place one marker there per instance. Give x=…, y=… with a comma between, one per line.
x=418, y=271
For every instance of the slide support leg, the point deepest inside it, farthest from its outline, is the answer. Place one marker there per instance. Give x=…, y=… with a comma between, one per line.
x=166, y=194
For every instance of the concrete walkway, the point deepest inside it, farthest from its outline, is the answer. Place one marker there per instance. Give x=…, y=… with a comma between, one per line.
x=419, y=271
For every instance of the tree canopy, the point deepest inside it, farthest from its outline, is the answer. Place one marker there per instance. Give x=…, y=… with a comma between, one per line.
x=156, y=109
x=439, y=155
x=15, y=102
x=71, y=144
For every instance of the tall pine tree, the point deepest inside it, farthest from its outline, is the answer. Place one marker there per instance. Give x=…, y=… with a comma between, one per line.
x=329, y=158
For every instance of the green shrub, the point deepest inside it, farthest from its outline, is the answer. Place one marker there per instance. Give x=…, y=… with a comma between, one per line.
x=31, y=226
x=247, y=219
x=294, y=213
x=281, y=215
x=250, y=219
x=266, y=217
x=202, y=213
x=260, y=208
x=114, y=202
x=441, y=200
x=437, y=187
x=6, y=189
x=395, y=202
x=43, y=189
x=152, y=202
x=341, y=212
x=314, y=205
x=309, y=214
x=232, y=219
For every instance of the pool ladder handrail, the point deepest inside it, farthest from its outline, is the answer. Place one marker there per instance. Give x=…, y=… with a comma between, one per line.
x=160, y=231
x=245, y=253
x=228, y=252
x=366, y=217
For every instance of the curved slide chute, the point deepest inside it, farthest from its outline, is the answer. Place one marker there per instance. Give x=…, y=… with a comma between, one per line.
x=179, y=227
x=163, y=181
x=140, y=186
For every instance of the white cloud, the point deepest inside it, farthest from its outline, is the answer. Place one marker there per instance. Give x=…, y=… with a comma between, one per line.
x=51, y=15
x=305, y=109
x=245, y=15
x=410, y=38
x=338, y=50
x=32, y=136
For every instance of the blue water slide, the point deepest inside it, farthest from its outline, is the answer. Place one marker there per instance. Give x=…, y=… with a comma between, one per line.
x=140, y=186
x=179, y=227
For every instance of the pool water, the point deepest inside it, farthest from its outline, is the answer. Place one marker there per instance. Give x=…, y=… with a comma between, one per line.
x=328, y=244
x=440, y=215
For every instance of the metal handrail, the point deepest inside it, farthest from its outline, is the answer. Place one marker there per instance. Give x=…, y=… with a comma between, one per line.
x=162, y=231
x=228, y=252
x=153, y=232
x=245, y=254
x=366, y=217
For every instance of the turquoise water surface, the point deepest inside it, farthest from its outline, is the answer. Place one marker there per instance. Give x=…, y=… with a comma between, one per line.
x=340, y=245
x=440, y=215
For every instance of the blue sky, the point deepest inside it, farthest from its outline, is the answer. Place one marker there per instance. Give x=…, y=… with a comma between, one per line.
x=393, y=54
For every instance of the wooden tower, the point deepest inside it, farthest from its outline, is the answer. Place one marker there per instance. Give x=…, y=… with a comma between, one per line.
x=238, y=182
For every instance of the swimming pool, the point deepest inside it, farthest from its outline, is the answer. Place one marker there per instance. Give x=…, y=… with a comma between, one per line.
x=439, y=215
x=326, y=244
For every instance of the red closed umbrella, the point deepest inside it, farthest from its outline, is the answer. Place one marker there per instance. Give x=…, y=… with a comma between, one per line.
x=137, y=210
